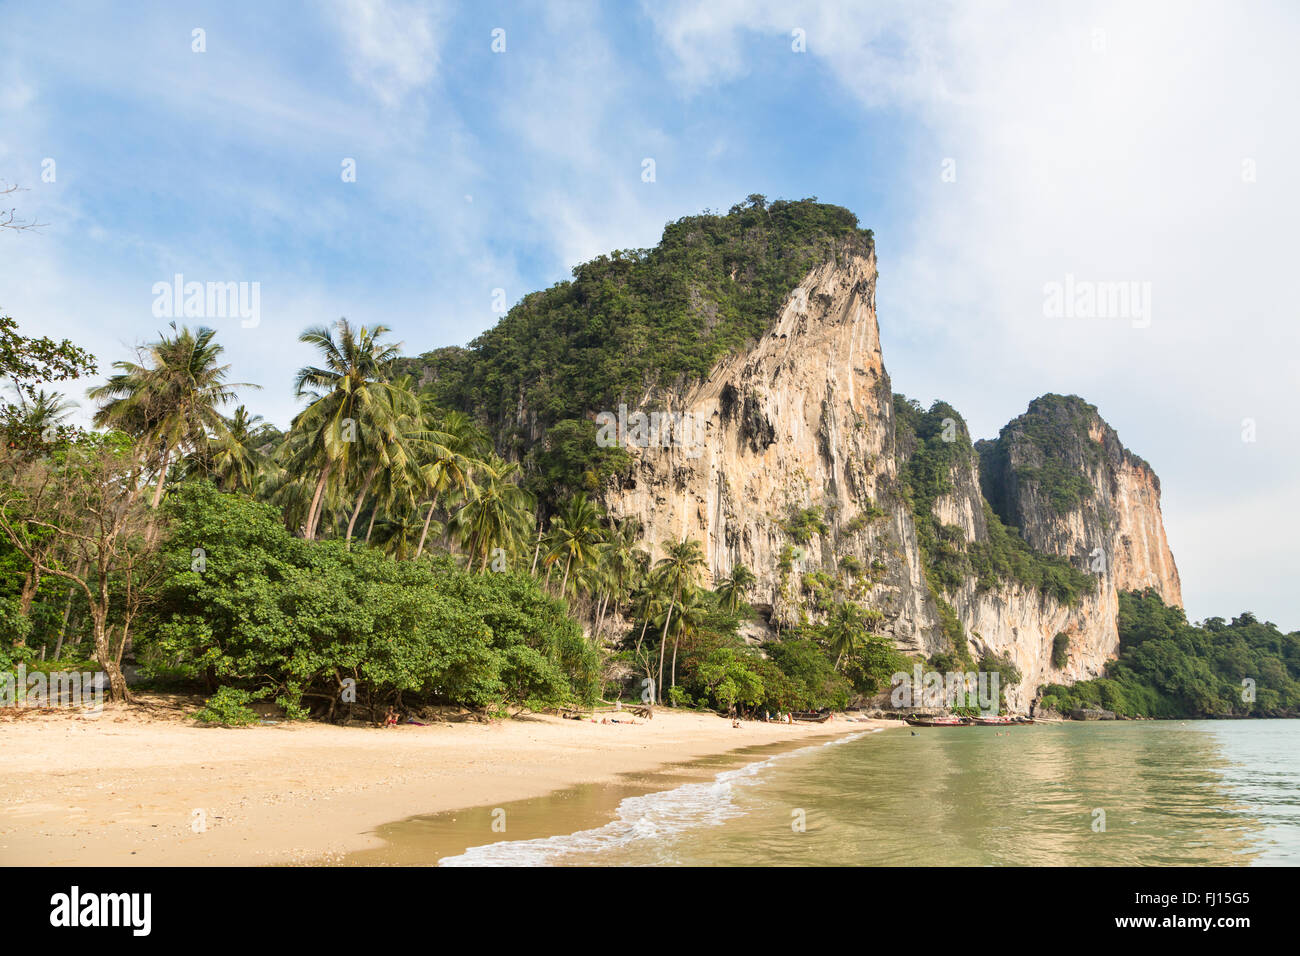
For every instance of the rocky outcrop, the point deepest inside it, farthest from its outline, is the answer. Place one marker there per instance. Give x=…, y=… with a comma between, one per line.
x=1061, y=475
x=786, y=459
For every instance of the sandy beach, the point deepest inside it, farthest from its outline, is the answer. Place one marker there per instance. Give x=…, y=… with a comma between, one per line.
x=132, y=786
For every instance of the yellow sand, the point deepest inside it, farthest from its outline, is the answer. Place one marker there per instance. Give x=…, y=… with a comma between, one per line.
x=129, y=786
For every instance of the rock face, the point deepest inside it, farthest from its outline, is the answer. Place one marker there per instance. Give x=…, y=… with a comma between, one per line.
x=786, y=459
x=798, y=429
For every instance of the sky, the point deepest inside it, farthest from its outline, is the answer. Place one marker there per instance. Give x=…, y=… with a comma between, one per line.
x=1001, y=152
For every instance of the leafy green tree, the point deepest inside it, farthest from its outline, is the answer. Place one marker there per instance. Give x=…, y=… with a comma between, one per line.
x=302, y=621
x=77, y=514
x=27, y=363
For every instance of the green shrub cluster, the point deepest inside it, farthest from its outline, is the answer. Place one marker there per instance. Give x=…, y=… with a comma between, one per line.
x=1060, y=650
x=247, y=606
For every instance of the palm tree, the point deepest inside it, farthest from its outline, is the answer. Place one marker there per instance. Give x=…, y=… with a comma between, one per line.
x=397, y=534
x=396, y=494
x=845, y=625
x=235, y=456
x=578, y=535
x=37, y=414
x=169, y=398
x=352, y=403
x=676, y=573
x=450, y=452
x=734, y=587
x=691, y=609
x=648, y=603
x=621, y=560
x=496, y=512
x=383, y=444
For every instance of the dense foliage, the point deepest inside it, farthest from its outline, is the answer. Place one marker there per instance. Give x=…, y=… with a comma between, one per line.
x=1170, y=668
x=246, y=604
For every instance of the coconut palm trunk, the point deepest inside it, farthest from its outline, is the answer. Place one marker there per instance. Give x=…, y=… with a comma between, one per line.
x=162, y=477
x=564, y=585
x=361, y=497
x=663, y=644
x=424, y=532
x=317, y=500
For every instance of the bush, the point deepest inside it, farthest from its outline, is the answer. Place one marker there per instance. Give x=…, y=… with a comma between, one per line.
x=228, y=707
x=1060, y=650
x=294, y=620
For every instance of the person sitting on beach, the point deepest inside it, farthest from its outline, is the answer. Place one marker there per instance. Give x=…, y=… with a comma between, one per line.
x=391, y=719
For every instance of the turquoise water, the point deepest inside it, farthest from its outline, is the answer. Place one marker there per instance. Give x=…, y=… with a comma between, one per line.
x=1169, y=793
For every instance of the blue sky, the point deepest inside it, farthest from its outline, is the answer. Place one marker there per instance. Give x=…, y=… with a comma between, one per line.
x=1105, y=141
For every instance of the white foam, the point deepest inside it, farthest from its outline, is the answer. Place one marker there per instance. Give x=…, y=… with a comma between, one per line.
x=653, y=816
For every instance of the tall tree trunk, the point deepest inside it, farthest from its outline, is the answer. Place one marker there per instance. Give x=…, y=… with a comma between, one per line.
x=361, y=497
x=104, y=656
x=644, y=625
x=673, y=680
x=537, y=550
x=313, y=513
x=30, y=584
x=425, y=532
x=663, y=643
x=162, y=477
x=63, y=629
x=564, y=585
x=370, y=528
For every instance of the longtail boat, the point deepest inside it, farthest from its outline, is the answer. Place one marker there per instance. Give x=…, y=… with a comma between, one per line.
x=915, y=721
x=811, y=716
x=1007, y=720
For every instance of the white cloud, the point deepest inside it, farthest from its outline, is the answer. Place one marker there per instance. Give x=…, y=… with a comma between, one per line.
x=393, y=45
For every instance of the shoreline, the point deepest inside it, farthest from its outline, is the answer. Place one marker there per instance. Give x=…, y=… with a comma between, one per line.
x=148, y=787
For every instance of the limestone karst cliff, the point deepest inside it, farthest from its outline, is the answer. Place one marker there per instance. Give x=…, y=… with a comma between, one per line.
x=798, y=466
x=738, y=364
